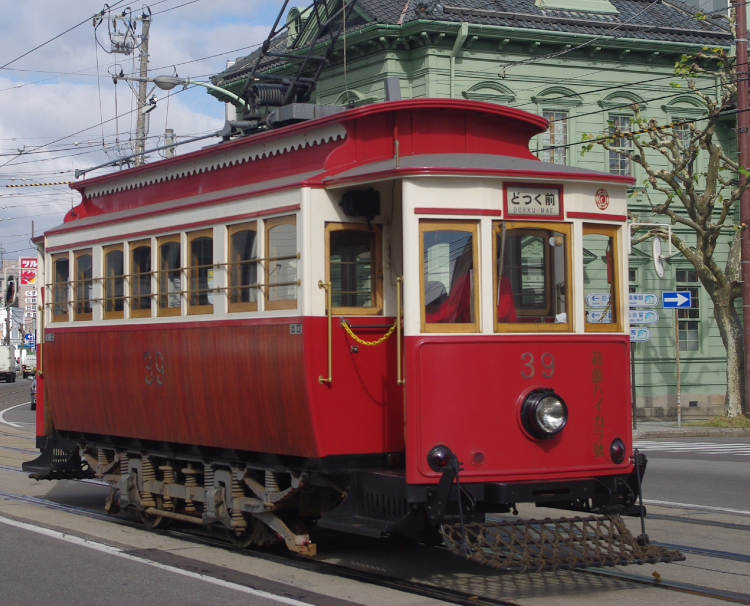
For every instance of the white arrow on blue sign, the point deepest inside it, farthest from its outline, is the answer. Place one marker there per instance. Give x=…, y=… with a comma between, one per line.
x=643, y=316
x=640, y=334
x=597, y=299
x=677, y=300
x=28, y=336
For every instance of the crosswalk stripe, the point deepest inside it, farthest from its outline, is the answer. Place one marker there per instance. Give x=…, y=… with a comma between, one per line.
x=737, y=449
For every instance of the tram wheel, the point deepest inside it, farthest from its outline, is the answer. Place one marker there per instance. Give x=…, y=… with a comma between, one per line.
x=155, y=521
x=254, y=534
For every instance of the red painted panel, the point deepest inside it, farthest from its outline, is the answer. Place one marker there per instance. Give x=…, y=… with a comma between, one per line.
x=227, y=386
x=465, y=392
x=362, y=410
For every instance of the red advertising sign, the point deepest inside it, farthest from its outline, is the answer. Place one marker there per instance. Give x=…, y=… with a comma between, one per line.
x=28, y=270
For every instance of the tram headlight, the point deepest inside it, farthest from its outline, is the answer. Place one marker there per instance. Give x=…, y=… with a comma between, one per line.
x=439, y=458
x=617, y=451
x=544, y=413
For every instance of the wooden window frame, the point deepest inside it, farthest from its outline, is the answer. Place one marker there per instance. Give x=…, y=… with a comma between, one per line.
x=82, y=316
x=269, y=224
x=470, y=226
x=190, y=269
x=67, y=302
x=376, y=268
x=563, y=228
x=133, y=277
x=617, y=313
x=241, y=306
x=167, y=311
x=113, y=315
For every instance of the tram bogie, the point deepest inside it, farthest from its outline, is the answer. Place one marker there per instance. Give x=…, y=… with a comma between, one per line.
x=372, y=322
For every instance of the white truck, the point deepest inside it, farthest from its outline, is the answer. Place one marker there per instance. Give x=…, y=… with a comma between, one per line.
x=28, y=366
x=8, y=363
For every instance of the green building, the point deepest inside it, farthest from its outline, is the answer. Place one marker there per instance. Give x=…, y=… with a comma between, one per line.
x=580, y=63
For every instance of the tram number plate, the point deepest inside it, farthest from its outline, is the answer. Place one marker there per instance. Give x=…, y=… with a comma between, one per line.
x=295, y=329
x=547, y=362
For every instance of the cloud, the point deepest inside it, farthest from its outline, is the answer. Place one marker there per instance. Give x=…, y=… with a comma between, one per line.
x=56, y=97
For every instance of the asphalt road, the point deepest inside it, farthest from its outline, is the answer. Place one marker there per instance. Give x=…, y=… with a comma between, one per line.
x=15, y=408
x=713, y=472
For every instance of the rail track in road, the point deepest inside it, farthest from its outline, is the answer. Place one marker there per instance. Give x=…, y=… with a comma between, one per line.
x=205, y=537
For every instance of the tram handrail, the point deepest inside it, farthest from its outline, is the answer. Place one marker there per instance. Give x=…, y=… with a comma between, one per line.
x=329, y=313
x=399, y=311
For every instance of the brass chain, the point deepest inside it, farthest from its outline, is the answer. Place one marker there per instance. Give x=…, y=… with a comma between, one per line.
x=363, y=342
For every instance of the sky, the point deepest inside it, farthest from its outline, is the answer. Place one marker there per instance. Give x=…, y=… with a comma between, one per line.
x=59, y=105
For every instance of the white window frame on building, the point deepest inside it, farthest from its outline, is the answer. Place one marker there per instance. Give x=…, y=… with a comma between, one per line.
x=557, y=105
x=690, y=319
x=624, y=164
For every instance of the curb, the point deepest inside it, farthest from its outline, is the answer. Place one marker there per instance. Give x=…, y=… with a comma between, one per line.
x=697, y=432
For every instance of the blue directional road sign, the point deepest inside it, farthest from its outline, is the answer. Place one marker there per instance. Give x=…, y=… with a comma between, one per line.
x=28, y=337
x=677, y=300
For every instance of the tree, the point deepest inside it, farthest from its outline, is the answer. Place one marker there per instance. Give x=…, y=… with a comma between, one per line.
x=703, y=201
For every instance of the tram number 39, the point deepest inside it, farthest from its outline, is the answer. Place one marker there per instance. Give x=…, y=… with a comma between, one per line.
x=529, y=367
x=154, y=368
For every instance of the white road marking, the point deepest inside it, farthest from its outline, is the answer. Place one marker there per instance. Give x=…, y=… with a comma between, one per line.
x=741, y=449
x=698, y=507
x=2, y=416
x=115, y=551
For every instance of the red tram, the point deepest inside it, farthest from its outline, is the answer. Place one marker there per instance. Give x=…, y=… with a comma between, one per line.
x=372, y=321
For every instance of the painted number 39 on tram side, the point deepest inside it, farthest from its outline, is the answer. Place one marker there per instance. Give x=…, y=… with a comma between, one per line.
x=371, y=322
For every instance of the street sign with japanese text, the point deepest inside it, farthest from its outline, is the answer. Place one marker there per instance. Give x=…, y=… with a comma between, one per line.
x=640, y=334
x=676, y=299
x=599, y=317
x=643, y=316
x=597, y=299
x=643, y=299
x=28, y=270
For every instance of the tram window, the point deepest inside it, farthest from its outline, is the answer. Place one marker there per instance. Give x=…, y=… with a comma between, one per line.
x=353, y=268
x=602, y=276
x=531, y=277
x=281, y=263
x=201, y=272
x=140, y=279
x=243, y=267
x=61, y=265
x=448, y=250
x=83, y=285
x=114, y=282
x=170, y=276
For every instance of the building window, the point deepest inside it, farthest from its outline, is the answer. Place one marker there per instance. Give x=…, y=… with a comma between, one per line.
x=353, y=268
x=619, y=164
x=601, y=279
x=140, y=279
x=170, y=276
x=556, y=138
x=243, y=267
x=682, y=133
x=281, y=263
x=61, y=269
x=448, y=250
x=531, y=288
x=114, y=282
x=83, y=285
x=201, y=272
x=689, y=318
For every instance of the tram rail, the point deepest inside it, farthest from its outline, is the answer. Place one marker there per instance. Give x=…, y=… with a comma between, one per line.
x=203, y=537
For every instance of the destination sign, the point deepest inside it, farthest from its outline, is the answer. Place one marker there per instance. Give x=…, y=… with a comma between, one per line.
x=640, y=334
x=533, y=201
x=643, y=299
x=643, y=316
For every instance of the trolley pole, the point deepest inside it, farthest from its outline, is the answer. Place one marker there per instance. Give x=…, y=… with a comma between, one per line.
x=142, y=124
x=743, y=146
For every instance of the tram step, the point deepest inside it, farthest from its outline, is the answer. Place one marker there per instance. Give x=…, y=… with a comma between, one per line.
x=59, y=460
x=560, y=544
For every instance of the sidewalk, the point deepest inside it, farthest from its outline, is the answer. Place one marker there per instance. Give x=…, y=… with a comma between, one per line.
x=649, y=430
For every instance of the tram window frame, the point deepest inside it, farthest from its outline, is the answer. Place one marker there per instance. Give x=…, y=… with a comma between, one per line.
x=193, y=292
x=163, y=296
x=109, y=311
x=135, y=293
x=611, y=231
x=472, y=227
x=79, y=285
x=376, y=271
x=277, y=304
x=534, y=326
x=235, y=270
x=65, y=302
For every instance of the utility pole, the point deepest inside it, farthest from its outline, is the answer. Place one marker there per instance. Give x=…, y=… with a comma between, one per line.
x=743, y=146
x=142, y=124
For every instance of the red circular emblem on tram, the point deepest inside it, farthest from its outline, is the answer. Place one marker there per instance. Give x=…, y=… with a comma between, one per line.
x=602, y=199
